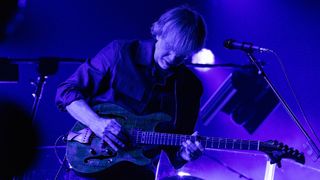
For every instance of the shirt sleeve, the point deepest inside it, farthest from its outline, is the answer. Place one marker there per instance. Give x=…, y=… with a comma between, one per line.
x=89, y=77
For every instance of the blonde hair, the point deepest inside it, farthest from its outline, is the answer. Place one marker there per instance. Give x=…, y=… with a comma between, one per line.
x=184, y=27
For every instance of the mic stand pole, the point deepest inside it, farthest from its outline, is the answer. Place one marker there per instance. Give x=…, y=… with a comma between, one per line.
x=41, y=81
x=44, y=69
x=284, y=103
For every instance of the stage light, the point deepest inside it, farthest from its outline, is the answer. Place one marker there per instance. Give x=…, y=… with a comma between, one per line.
x=181, y=173
x=204, y=56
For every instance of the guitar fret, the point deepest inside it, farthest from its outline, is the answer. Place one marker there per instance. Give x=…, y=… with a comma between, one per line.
x=157, y=137
x=212, y=142
x=178, y=139
x=151, y=138
x=166, y=139
x=206, y=142
x=244, y=144
x=233, y=141
x=147, y=138
x=137, y=137
x=143, y=137
x=176, y=143
x=229, y=143
x=161, y=138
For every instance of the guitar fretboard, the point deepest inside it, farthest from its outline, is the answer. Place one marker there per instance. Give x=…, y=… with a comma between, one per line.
x=156, y=138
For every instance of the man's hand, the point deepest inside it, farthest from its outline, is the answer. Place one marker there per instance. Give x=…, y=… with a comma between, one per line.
x=191, y=151
x=110, y=131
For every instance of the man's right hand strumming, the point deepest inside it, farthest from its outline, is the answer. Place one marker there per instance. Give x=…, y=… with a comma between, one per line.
x=107, y=129
x=110, y=131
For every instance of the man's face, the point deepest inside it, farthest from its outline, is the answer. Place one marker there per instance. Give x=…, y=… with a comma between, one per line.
x=165, y=56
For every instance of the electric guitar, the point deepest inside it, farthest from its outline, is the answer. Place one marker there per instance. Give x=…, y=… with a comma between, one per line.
x=86, y=154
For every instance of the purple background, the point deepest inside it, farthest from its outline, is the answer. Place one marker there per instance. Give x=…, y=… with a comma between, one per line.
x=79, y=29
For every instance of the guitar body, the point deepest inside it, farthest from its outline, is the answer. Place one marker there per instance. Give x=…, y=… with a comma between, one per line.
x=94, y=156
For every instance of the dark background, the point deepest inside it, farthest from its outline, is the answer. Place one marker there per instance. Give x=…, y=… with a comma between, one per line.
x=79, y=29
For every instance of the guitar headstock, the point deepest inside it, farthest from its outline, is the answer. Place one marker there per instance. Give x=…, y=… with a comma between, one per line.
x=277, y=150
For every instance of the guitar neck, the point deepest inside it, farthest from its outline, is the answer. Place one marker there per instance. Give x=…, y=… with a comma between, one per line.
x=156, y=138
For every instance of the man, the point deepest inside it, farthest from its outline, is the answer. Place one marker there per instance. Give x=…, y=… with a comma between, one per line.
x=143, y=77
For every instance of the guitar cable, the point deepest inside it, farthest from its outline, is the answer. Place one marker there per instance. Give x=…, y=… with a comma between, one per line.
x=61, y=161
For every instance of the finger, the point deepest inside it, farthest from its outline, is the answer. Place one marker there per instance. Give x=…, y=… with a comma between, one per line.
x=199, y=146
x=112, y=126
x=114, y=130
x=184, y=144
x=191, y=146
x=196, y=133
x=110, y=143
x=115, y=123
x=113, y=138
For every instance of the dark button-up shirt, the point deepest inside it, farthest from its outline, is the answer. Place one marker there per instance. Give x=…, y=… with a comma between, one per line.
x=125, y=73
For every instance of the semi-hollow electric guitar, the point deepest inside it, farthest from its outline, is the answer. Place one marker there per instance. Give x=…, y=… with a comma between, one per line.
x=86, y=154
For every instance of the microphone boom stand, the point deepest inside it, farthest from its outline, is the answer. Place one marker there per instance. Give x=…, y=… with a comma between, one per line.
x=284, y=103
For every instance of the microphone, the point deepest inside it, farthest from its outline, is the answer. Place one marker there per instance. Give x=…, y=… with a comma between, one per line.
x=244, y=46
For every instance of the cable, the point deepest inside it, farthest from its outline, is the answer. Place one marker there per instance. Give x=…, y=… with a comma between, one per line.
x=55, y=149
x=57, y=156
x=294, y=95
x=59, y=170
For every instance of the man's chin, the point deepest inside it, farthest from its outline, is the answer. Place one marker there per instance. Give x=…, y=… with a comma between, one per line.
x=163, y=65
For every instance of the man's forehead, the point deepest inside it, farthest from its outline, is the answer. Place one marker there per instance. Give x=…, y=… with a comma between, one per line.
x=175, y=44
